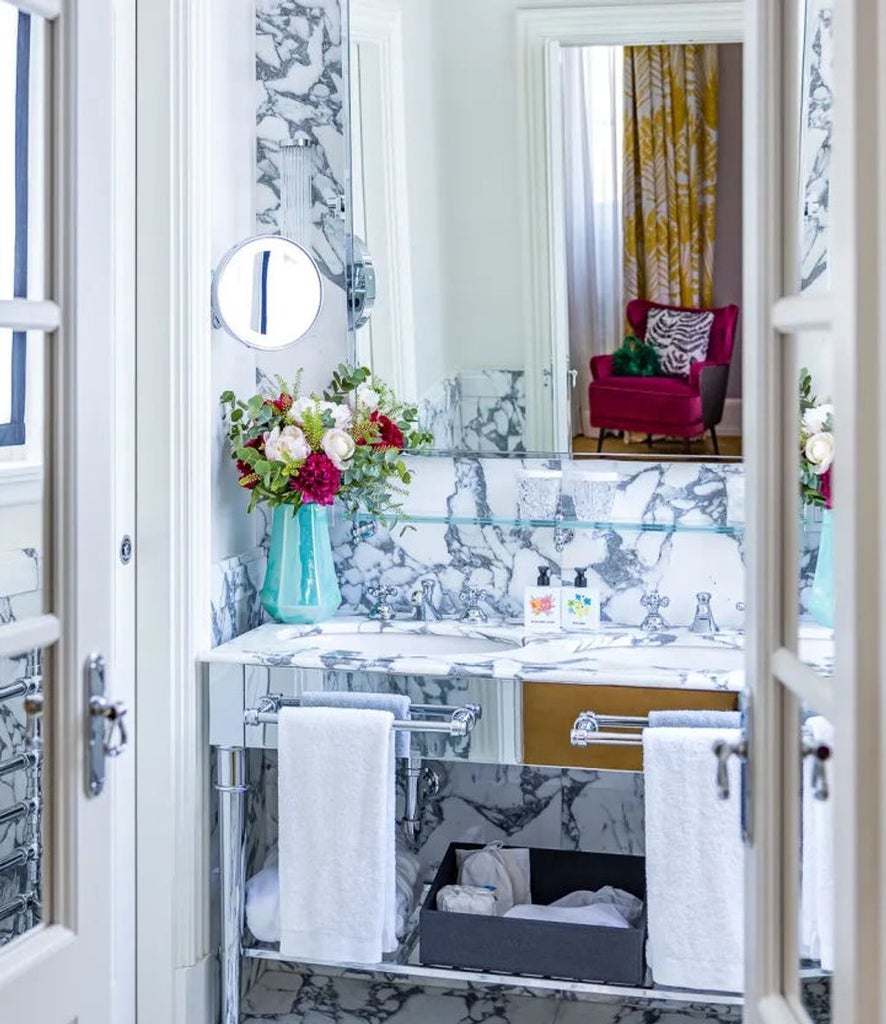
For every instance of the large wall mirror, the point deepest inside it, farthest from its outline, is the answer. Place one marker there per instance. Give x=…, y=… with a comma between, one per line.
x=527, y=183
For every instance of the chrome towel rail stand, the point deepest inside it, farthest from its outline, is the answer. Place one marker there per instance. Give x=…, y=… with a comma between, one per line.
x=232, y=786
x=460, y=719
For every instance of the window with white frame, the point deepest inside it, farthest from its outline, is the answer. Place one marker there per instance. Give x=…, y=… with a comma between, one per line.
x=20, y=154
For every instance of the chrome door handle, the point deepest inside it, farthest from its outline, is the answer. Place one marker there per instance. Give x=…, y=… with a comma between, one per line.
x=113, y=712
x=105, y=726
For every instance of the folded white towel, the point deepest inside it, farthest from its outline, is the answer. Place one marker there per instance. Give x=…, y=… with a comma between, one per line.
x=336, y=782
x=817, y=902
x=694, y=862
x=263, y=895
x=398, y=704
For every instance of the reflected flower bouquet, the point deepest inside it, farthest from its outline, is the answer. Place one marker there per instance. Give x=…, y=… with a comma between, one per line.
x=816, y=445
x=347, y=443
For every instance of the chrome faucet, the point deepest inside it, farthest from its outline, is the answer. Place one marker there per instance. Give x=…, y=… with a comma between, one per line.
x=422, y=602
x=704, y=617
x=654, y=621
x=382, y=609
x=473, y=613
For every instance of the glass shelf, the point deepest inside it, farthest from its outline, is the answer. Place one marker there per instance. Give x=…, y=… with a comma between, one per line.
x=622, y=526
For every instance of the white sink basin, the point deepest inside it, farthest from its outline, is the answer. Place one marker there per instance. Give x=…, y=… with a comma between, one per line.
x=391, y=644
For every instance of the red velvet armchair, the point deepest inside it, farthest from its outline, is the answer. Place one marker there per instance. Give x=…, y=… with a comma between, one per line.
x=667, y=406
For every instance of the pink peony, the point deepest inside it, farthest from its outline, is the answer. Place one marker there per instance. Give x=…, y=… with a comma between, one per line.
x=318, y=480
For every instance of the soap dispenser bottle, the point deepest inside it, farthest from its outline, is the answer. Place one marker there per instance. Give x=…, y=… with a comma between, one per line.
x=580, y=605
x=541, y=603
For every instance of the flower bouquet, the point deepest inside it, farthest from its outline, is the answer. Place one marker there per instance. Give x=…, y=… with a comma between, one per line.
x=299, y=453
x=817, y=449
x=816, y=445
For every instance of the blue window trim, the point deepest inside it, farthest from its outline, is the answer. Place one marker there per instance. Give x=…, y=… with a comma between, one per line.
x=13, y=432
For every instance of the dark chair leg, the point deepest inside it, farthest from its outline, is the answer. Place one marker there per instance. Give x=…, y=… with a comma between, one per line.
x=649, y=441
x=714, y=439
x=687, y=446
x=601, y=437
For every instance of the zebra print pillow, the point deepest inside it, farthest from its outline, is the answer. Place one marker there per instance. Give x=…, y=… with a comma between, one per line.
x=679, y=338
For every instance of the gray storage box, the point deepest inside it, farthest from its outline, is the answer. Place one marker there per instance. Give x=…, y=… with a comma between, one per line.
x=541, y=948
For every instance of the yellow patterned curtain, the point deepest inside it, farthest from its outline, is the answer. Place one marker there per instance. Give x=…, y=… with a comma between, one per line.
x=670, y=173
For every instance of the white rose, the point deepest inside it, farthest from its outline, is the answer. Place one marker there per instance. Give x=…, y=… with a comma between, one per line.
x=300, y=407
x=286, y=445
x=820, y=451
x=368, y=397
x=339, y=446
x=341, y=414
x=817, y=418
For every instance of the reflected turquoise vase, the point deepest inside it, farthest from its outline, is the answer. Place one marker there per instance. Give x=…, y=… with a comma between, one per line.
x=300, y=584
x=821, y=597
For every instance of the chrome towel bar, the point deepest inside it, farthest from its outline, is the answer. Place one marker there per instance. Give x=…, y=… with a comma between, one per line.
x=460, y=723
x=18, y=811
x=22, y=856
x=17, y=763
x=20, y=688
x=18, y=905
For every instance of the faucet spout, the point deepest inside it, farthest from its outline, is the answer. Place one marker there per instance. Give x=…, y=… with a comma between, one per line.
x=422, y=601
x=704, y=617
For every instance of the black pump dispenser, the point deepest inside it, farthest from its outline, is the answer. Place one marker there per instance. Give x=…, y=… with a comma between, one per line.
x=544, y=576
x=581, y=578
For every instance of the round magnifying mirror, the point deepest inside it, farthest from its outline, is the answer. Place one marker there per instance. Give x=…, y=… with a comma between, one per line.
x=267, y=292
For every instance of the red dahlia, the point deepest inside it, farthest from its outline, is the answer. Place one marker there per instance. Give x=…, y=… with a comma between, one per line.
x=318, y=480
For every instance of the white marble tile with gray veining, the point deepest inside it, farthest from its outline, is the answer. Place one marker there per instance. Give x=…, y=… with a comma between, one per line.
x=299, y=83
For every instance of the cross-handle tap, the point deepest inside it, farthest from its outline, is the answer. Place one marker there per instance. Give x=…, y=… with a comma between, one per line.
x=654, y=621
x=704, y=617
x=382, y=609
x=472, y=596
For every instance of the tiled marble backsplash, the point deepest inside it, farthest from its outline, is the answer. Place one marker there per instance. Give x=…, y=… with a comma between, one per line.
x=623, y=563
x=477, y=411
x=503, y=559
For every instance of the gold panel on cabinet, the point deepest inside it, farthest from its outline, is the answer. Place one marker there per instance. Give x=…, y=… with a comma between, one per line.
x=550, y=709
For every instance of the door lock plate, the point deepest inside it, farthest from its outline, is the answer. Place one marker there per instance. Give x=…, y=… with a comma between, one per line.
x=106, y=731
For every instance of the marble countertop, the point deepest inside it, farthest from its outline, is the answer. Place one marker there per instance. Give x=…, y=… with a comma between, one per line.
x=676, y=657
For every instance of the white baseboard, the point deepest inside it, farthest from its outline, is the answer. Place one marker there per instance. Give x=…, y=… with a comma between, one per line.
x=730, y=425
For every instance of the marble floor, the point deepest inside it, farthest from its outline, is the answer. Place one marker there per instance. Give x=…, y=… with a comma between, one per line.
x=288, y=997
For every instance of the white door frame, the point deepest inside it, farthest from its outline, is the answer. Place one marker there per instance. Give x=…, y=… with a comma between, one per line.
x=853, y=699
x=174, y=447
x=540, y=35
x=81, y=965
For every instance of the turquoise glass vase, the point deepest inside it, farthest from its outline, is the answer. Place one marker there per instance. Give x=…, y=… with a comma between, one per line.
x=300, y=584
x=821, y=597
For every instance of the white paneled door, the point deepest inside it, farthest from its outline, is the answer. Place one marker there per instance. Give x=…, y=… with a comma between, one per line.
x=67, y=949
x=814, y=135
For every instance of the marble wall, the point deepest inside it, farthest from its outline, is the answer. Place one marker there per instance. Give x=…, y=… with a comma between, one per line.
x=693, y=542
x=477, y=411
x=299, y=82
x=816, y=128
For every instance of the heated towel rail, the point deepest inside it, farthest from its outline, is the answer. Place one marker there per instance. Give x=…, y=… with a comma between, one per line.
x=456, y=721
x=24, y=906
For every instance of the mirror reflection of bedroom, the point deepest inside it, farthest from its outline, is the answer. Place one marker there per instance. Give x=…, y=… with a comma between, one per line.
x=653, y=234
x=522, y=210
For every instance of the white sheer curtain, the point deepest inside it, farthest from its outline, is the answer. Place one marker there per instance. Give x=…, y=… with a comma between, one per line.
x=592, y=108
